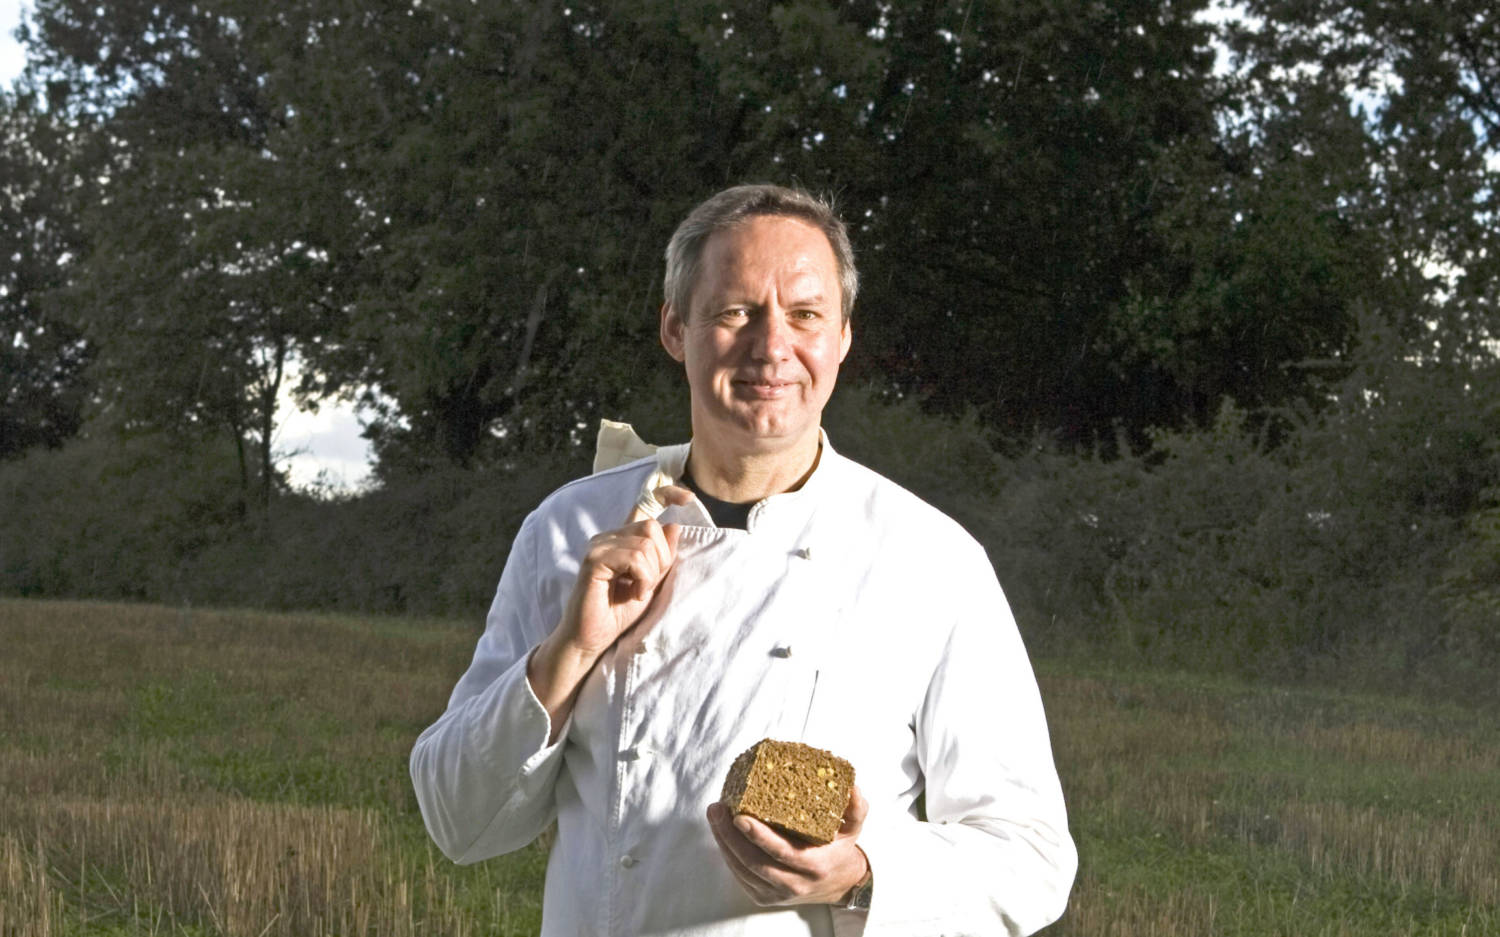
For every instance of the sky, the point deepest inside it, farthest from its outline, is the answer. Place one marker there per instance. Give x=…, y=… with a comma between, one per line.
x=325, y=443
x=10, y=53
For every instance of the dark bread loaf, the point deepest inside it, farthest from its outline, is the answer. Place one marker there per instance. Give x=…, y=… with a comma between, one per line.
x=793, y=787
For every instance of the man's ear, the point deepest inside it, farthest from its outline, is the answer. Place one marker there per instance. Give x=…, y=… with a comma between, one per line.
x=845, y=340
x=672, y=328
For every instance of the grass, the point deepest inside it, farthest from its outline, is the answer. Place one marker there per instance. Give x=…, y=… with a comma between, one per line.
x=1206, y=806
x=191, y=772
x=178, y=772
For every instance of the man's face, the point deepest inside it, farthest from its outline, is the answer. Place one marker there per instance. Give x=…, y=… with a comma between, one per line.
x=764, y=335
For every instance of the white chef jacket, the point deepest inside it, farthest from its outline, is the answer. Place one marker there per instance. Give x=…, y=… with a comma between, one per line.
x=851, y=616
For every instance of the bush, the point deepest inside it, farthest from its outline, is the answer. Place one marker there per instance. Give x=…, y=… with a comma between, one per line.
x=106, y=517
x=153, y=519
x=1363, y=535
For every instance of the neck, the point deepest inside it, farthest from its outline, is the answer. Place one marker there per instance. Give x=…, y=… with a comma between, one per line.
x=744, y=477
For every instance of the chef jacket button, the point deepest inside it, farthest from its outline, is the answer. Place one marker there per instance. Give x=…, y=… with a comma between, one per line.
x=630, y=754
x=805, y=553
x=781, y=650
x=628, y=861
x=641, y=648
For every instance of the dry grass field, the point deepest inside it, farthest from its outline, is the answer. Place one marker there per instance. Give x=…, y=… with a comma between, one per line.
x=188, y=772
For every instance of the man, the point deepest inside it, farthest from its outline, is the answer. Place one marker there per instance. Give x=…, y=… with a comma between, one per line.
x=786, y=592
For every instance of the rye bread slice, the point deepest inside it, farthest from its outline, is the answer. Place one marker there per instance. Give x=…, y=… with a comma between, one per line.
x=793, y=787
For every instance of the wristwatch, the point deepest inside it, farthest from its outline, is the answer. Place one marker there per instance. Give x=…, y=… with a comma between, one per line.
x=859, y=896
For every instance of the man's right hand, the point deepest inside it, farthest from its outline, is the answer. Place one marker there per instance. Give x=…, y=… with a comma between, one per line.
x=617, y=580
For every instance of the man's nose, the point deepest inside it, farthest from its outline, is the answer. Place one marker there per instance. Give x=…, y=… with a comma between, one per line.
x=773, y=335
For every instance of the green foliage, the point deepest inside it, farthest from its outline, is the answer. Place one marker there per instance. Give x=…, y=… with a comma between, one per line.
x=463, y=205
x=1203, y=359
x=1471, y=588
x=1266, y=254
x=433, y=543
x=1016, y=156
x=104, y=517
x=1328, y=547
x=118, y=518
x=42, y=356
x=1424, y=81
x=1362, y=537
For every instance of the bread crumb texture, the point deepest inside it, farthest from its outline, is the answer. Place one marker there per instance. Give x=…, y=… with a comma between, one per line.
x=793, y=787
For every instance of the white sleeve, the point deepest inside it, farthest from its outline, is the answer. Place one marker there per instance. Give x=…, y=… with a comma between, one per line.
x=994, y=855
x=484, y=773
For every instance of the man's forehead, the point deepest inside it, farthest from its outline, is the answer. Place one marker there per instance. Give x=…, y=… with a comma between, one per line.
x=770, y=243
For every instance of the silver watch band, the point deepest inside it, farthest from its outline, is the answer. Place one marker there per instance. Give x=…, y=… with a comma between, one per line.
x=860, y=895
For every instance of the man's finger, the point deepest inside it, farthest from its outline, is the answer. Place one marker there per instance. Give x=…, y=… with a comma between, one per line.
x=639, y=559
x=736, y=864
x=669, y=495
x=855, y=813
x=776, y=847
x=666, y=551
x=763, y=864
x=646, y=569
x=613, y=553
x=733, y=841
x=732, y=845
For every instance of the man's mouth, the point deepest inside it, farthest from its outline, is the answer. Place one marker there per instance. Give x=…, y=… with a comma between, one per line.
x=765, y=387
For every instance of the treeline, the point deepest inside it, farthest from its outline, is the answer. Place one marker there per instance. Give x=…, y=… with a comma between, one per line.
x=1364, y=542
x=1191, y=320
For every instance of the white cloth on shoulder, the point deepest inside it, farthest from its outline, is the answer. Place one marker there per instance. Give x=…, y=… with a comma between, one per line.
x=619, y=444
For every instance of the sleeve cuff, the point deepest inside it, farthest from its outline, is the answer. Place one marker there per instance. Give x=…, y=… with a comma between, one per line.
x=533, y=723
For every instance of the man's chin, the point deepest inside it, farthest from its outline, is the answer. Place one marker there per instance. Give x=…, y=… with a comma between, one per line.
x=759, y=432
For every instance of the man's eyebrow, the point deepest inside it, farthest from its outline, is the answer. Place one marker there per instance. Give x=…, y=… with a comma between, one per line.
x=813, y=299
x=816, y=296
x=817, y=301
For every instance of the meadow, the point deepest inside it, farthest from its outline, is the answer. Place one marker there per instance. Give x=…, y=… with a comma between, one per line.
x=181, y=771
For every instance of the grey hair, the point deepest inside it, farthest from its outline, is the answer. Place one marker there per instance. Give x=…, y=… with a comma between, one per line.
x=735, y=206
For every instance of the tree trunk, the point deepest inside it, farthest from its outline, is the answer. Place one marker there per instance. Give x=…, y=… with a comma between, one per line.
x=268, y=394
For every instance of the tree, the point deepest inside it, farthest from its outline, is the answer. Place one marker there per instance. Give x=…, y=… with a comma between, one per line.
x=526, y=183
x=42, y=358
x=1065, y=222
x=1266, y=248
x=202, y=272
x=1424, y=79
x=1027, y=144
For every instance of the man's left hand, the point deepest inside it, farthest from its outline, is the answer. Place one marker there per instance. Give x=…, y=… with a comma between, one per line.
x=779, y=870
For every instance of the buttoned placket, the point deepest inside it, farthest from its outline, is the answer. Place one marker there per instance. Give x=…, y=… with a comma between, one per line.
x=793, y=645
x=627, y=859
x=803, y=646
x=632, y=757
